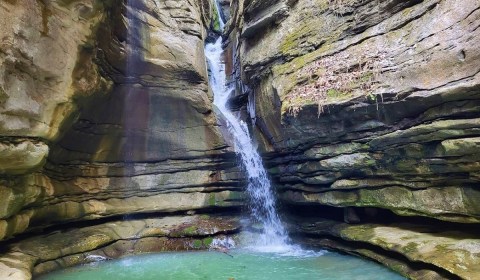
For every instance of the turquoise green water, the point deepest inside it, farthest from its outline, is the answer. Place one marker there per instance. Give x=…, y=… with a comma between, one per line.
x=218, y=266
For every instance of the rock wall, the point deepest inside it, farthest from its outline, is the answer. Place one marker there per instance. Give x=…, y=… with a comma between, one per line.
x=112, y=240
x=367, y=113
x=105, y=115
x=369, y=110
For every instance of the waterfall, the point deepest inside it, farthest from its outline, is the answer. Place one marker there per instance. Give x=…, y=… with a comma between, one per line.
x=259, y=188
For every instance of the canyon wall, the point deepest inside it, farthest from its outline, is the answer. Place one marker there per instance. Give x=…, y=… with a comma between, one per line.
x=106, y=115
x=368, y=113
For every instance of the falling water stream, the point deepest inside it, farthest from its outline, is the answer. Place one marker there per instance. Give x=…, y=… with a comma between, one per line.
x=259, y=187
x=272, y=258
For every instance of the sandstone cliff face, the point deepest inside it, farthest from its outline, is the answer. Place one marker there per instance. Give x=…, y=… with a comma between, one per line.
x=105, y=111
x=43, y=44
x=367, y=113
x=39, y=55
x=371, y=107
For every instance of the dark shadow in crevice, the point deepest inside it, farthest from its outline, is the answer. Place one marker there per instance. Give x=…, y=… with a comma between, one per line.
x=371, y=215
x=413, y=265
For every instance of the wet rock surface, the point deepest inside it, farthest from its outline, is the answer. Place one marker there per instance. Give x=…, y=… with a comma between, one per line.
x=362, y=106
x=122, y=120
x=448, y=253
x=368, y=105
x=111, y=240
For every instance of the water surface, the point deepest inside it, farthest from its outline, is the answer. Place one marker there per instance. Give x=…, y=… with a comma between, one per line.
x=218, y=266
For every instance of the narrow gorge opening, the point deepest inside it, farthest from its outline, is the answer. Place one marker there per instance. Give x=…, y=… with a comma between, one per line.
x=261, y=198
x=229, y=139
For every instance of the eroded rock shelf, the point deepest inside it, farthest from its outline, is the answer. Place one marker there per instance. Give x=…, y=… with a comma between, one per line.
x=367, y=114
x=369, y=110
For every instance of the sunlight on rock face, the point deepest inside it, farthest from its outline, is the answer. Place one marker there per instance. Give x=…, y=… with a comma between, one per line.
x=142, y=126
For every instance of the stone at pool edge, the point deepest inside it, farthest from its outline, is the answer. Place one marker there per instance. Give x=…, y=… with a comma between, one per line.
x=50, y=252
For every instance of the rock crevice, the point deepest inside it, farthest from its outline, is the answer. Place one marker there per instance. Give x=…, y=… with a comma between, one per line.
x=370, y=104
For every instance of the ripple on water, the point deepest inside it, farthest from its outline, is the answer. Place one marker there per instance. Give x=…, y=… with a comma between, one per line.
x=244, y=265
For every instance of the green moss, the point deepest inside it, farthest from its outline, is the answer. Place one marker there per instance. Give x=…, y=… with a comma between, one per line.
x=410, y=248
x=235, y=196
x=197, y=244
x=358, y=233
x=216, y=20
x=337, y=95
x=367, y=198
x=470, y=198
x=296, y=64
x=191, y=230
x=295, y=38
x=297, y=101
x=442, y=248
x=370, y=162
x=333, y=93
x=404, y=164
x=301, y=61
x=208, y=241
x=212, y=200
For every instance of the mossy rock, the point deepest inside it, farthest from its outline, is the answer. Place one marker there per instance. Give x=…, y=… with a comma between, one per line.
x=215, y=25
x=207, y=241
x=197, y=244
x=191, y=230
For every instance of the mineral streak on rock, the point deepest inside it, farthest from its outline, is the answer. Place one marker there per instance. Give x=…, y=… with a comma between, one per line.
x=367, y=113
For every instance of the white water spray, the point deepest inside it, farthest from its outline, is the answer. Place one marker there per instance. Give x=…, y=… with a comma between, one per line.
x=259, y=189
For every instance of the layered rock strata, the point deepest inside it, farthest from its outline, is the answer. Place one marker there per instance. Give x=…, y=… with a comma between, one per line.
x=122, y=119
x=111, y=240
x=419, y=251
x=105, y=114
x=365, y=110
x=367, y=106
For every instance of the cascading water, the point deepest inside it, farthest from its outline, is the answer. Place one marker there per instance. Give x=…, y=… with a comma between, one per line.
x=259, y=189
